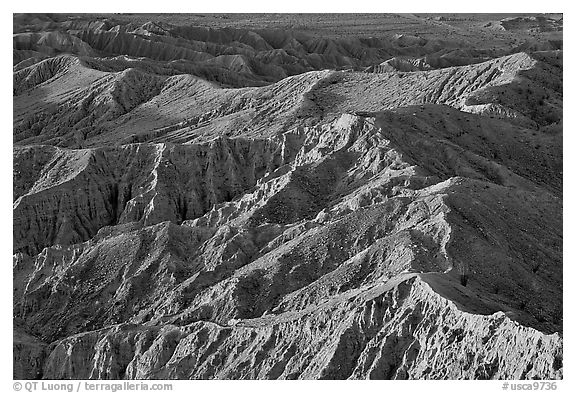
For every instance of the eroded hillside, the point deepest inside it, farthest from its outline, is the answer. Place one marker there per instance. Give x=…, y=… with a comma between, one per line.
x=231, y=203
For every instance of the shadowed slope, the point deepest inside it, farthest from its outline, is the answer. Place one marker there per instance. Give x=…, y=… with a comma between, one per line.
x=376, y=218
x=240, y=201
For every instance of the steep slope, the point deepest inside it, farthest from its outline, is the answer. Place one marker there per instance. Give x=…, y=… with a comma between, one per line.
x=377, y=335
x=349, y=215
x=66, y=196
x=525, y=89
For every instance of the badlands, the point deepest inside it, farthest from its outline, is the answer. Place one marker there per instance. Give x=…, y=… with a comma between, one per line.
x=240, y=196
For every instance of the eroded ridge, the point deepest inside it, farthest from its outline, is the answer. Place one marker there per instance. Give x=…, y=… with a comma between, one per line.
x=194, y=203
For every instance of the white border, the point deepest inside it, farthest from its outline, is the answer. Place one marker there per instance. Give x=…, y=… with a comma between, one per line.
x=308, y=6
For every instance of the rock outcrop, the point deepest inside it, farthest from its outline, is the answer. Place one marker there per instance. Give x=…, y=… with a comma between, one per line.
x=405, y=332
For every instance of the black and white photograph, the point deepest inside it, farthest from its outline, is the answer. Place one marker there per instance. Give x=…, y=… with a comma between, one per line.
x=280, y=196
